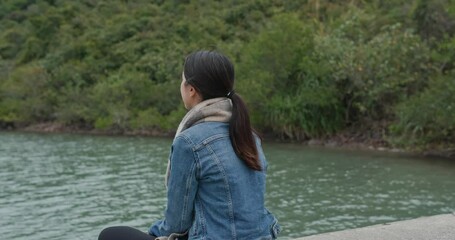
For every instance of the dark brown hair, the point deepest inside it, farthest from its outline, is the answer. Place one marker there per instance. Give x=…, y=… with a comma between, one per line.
x=212, y=75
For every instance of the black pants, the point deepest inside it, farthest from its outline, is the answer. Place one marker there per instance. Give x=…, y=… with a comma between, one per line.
x=123, y=233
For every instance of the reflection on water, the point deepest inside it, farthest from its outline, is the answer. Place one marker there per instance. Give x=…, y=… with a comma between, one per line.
x=70, y=186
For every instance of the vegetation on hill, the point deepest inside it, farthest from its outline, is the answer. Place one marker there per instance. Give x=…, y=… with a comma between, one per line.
x=307, y=69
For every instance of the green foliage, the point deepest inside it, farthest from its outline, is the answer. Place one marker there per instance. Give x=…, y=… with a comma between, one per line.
x=292, y=93
x=429, y=117
x=306, y=68
x=25, y=95
x=10, y=42
x=443, y=55
x=147, y=119
x=374, y=73
x=433, y=20
x=74, y=108
x=153, y=119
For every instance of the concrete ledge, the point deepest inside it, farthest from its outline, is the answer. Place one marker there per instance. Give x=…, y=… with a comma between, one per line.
x=439, y=227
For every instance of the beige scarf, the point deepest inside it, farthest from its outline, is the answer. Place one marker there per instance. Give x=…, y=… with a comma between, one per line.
x=211, y=110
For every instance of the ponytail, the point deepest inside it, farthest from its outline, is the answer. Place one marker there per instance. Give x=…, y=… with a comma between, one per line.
x=212, y=74
x=241, y=133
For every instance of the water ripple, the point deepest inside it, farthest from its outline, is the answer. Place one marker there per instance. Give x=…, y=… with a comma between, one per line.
x=53, y=186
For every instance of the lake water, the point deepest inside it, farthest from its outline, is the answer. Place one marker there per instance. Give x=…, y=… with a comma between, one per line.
x=62, y=186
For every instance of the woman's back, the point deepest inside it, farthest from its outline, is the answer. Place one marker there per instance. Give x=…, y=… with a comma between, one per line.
x=228, y=196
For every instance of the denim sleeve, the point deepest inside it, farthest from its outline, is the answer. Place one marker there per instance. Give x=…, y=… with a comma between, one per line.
x=181, y=192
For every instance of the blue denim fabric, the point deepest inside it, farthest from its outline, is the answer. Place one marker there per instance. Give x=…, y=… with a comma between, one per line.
x=212, y=194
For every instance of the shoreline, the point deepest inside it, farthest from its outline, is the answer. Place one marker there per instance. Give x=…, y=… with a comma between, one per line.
x=346, y=140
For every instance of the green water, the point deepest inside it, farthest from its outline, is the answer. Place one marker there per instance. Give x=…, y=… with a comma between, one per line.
x=70, y=186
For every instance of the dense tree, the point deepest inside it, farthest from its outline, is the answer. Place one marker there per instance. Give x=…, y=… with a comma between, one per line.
x=308, y=69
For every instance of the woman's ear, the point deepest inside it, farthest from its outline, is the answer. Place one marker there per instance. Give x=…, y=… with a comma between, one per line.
x=194, y=94
x=192, y=91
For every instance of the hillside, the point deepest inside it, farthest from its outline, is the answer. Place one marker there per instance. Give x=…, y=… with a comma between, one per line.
x=380, y=71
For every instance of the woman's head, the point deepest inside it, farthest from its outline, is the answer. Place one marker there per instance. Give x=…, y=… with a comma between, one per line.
x=210, y=73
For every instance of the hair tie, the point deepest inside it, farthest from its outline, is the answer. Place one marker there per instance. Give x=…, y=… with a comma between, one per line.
x=230, y=94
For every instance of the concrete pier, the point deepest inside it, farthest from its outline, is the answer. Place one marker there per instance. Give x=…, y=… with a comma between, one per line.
x=439, y=227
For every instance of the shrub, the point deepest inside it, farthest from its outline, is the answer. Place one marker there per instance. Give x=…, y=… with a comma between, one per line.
x=26, y=95
x=428, y=117
x=292, y=92
x=374, y=73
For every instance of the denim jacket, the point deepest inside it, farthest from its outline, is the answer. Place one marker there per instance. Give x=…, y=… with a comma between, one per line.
x=211, y=193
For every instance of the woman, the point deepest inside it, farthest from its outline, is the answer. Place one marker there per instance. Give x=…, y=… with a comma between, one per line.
x=217, y=169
